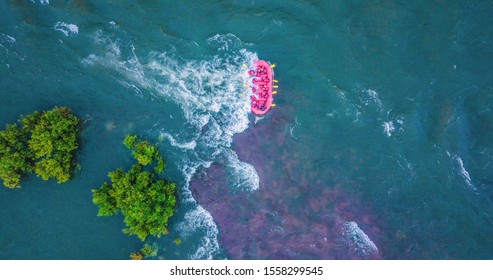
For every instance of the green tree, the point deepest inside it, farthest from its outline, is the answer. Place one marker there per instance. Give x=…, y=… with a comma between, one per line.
x=146, y=201
x=53, y=142
x=15, y=158
x=46, y=144
x=149, y=250
x=146, y=251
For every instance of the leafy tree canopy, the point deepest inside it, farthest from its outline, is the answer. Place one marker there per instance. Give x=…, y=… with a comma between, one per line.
x=45, y=143
x=146, y=201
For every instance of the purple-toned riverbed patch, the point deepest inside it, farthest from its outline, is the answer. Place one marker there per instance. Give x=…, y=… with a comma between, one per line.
x=294, y=214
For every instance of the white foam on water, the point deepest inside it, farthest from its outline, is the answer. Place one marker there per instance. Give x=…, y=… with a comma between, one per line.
x=66, y=28
x=113, y=24
x=190, y=86
x=350, y=108
x=132, y=87
x=243, y=175
x=211, y=96
x=189, y=145
x=358, y=240
x=359, y=101
x=291, y=128
x=226, y=41
x=333, y=114
x=258, y=118
x=42, y=2
x=392, y=126
x=388, y=128
x=200, y=219
x=371, y=96
x=462, y=171
x=7, y=38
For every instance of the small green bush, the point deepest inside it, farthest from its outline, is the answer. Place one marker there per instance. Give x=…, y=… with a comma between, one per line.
x=146, y=201
x=146, y=251
x=45, y=143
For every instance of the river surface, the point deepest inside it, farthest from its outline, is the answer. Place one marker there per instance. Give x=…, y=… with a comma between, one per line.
x=380, y=145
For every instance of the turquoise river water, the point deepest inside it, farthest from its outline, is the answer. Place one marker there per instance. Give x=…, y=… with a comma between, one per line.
x=380, y=145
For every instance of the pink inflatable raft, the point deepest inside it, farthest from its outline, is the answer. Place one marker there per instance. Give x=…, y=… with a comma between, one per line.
x=263, y=84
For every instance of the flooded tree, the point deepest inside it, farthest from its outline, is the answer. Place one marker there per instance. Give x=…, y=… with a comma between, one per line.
x=145, y=200
x=44, y=143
